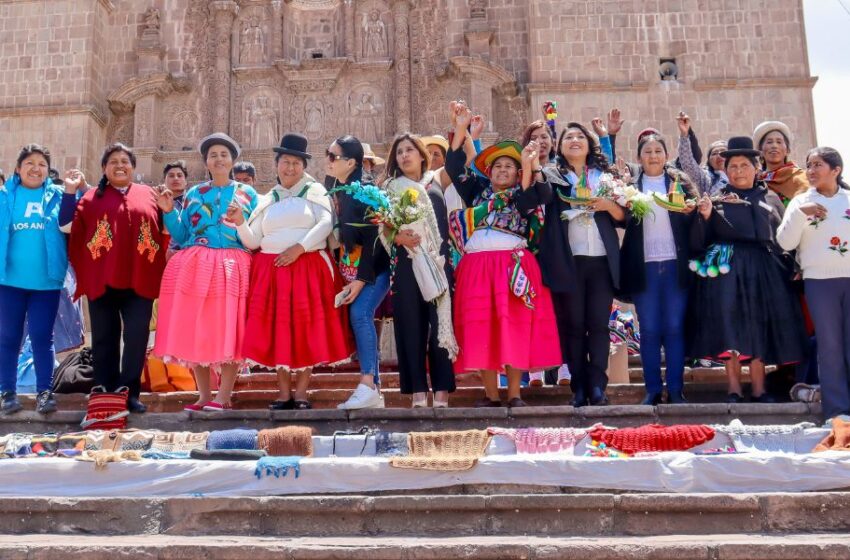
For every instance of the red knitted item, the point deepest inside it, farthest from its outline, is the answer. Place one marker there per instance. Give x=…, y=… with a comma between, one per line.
x=653, y=437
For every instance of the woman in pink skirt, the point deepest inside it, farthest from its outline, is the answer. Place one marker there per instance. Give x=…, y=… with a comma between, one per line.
x=503, y=315
x=293, y=323
x=204, y=293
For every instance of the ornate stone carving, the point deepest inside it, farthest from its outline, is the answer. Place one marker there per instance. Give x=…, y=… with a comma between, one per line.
x=314, y=114
x=263, y=123
x=252, y=48
x=152, y=20
x=366, y=116
x=401, y=13
x=224, y=12
x=374, y=36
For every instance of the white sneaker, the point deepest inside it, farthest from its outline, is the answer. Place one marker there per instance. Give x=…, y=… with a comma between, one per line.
x=564, y=375
x=535, y=378
x=363, y=397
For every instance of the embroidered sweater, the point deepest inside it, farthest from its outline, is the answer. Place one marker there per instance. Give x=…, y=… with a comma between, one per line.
x=117, y=241
x=821, y=243
x=203, y=219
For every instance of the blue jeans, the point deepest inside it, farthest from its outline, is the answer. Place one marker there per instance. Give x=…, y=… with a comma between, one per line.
x=362, y=317
x=38, y=308
x=661, y=315
x=829, y=304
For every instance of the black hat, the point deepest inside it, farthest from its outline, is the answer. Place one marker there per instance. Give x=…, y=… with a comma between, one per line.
x=293, y=144
x=220, y=139
x=740, y=146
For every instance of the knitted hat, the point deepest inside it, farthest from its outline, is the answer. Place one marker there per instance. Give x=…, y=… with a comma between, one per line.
x=653, y=437
x=505, y=148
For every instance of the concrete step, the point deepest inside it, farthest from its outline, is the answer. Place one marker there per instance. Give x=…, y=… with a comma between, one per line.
x=326, y=422
x=679, y=547
x=553, y=515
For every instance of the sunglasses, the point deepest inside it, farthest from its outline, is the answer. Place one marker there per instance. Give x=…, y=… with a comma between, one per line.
x=334, y=157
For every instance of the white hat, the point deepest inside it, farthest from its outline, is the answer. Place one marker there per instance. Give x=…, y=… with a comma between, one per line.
x=766, y=128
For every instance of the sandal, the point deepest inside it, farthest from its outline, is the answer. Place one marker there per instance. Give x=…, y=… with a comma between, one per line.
x=302, y=405
x=197, y=407
x=213, y=406
x=282, y=405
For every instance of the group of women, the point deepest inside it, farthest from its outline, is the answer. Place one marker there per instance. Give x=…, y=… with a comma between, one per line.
x=526, y=239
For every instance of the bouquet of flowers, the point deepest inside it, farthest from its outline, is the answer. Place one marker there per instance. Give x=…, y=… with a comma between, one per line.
x=640, y=203
x=403, y=210
x=370, y=195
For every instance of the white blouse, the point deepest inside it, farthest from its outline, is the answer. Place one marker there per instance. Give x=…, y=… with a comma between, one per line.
x=290, y=221
x=658, y=242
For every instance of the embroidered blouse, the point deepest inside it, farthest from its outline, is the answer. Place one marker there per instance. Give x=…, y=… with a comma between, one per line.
x=203, y=219
x=117, y=241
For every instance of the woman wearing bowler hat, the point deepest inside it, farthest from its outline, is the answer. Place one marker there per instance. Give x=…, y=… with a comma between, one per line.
x=293, y=323
x=750, y=313
x=204, y=295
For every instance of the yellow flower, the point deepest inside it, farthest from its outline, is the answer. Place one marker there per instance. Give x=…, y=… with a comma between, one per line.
x=412, y=195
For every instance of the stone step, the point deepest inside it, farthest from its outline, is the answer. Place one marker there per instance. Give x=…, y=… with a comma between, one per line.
x=326, y=422
x=554, y=515
x=347, y=377
x=321, y=398
x=678, y=547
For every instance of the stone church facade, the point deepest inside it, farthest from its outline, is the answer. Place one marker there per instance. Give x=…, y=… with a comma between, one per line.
x=160, y=74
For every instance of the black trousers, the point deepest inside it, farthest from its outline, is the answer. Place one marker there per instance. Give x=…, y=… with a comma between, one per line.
x=582, y=316
x=416, y=335
x=108, y=313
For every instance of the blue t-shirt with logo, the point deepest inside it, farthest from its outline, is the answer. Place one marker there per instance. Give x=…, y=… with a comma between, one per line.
x=26, y=264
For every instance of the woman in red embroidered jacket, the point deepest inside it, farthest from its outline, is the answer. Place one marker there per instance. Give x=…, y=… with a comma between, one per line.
x=117, y=248
x=503, y=315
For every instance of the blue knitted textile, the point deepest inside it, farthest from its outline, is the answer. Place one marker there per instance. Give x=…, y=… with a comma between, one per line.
x=161, y=455
x=232, y=439
x=278, y=466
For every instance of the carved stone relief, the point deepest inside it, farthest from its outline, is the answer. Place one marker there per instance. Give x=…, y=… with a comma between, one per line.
x=260, y=118
x=366, y=113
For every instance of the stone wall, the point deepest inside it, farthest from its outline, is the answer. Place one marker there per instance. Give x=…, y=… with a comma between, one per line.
x=160, y=74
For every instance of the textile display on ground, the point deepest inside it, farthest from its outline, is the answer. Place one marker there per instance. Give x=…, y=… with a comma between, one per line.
x=443, y=451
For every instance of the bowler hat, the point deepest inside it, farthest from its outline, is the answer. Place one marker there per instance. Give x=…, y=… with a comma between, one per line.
x=293, y=144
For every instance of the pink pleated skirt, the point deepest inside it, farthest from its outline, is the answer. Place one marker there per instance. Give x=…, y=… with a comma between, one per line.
x=203, y=303
x=494, y=327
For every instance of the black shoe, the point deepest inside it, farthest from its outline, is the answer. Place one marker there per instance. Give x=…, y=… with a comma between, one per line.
x=10, y=403
x=676, y=397
x=282, y=405
x=765, y=398
x=598, y=397
x=135, y=405
x=652, y=399
x=579, y=399
x=45, y=402
x=734, y=398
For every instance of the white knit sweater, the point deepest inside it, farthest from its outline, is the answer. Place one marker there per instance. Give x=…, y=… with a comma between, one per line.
x=823, y=246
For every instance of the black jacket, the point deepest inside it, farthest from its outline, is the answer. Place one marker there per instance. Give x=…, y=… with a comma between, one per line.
x=557, y=264
x=632, y=263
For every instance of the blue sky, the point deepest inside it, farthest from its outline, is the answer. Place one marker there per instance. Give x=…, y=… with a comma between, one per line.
x=828, y=38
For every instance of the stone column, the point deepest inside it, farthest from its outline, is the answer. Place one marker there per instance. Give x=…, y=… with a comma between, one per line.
x=350, y=16
x=401, y=15
x=223, y=12
x=277, y=31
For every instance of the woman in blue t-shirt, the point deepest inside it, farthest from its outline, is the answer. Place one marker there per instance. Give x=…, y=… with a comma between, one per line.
x=33, y=262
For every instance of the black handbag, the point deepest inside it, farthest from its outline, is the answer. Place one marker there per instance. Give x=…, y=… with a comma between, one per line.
x=75, y=374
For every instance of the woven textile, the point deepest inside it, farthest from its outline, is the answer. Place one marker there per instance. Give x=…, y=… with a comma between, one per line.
x=443, y=451
x=653, y=437
x=18, y=445
x=541, y=440
x=278, y=466
x=103, y=457
x=227, y=454
x=119, y=440
x=44, y=445
x=167, y=442
x=838, y=439
x=232, y=439
x=71, y=445
x=164, y=455
x=777, y=439
x=286, y=441
x=390, y=444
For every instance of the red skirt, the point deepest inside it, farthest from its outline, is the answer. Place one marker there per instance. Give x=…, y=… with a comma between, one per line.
x=494, y=327
x=292, y=322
